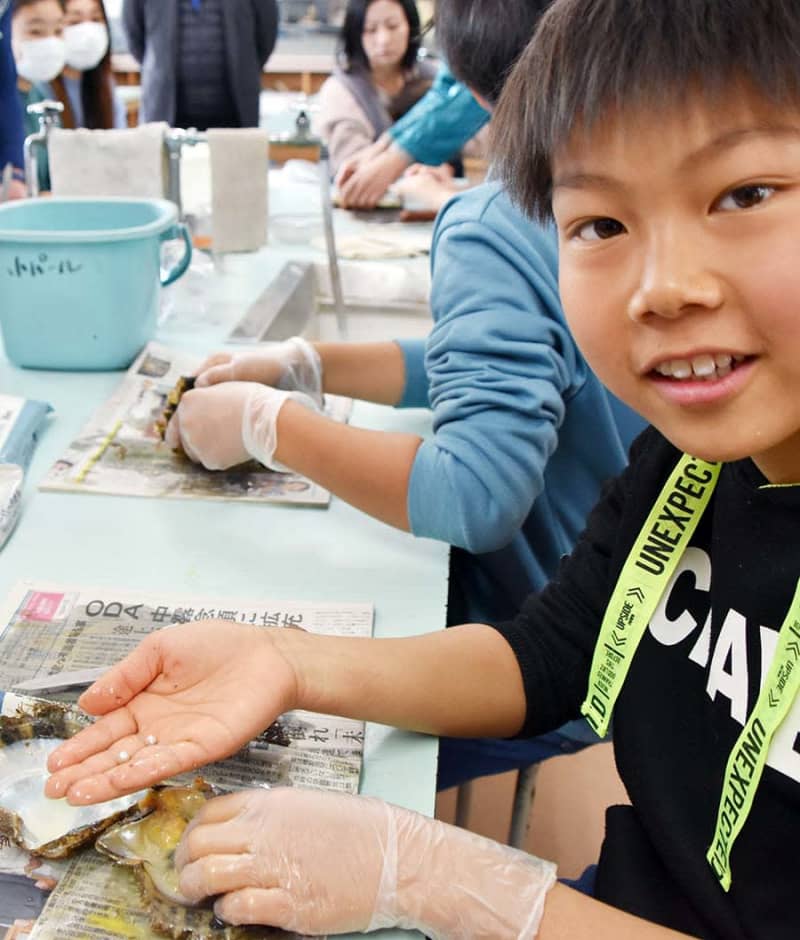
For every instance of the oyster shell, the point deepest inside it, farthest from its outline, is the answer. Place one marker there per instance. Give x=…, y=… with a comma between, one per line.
x=149, y=842
x=148, y=845
x=47, y=828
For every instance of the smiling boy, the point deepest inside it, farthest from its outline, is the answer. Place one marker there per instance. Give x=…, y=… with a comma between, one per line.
x=665, y=139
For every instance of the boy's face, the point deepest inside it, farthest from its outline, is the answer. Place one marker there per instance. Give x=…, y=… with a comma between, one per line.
x=680, y=272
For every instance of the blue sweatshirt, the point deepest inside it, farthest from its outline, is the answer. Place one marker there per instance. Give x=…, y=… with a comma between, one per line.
x=11, y=134
x=440, y=123
x=524, y=433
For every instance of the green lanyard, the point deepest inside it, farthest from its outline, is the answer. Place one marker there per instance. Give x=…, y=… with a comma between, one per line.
x=642, y=581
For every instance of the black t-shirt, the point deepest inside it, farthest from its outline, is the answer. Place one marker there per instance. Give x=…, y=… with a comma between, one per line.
x=692, y=684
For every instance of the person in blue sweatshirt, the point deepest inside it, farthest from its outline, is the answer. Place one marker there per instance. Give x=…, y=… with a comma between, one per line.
x=524, y=433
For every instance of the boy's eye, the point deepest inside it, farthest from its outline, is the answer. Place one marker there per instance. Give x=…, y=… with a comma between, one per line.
x=745, y=197
x=599, y=230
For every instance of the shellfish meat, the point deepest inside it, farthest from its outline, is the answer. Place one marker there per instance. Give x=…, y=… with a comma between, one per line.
x=148, y=845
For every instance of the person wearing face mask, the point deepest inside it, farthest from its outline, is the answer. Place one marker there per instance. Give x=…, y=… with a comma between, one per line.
x=87, y=81
x=378, y=77
x=39, y=54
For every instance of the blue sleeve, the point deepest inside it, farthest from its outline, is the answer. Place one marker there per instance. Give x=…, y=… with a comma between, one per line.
x=501, y=366
x=440, y=123
x=11, y=126
x=415, y=393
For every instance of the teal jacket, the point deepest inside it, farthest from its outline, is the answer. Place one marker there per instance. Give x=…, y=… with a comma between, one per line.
x=524, y=433
x=440, y=123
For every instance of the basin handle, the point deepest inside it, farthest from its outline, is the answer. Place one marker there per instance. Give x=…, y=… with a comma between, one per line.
x=179, y=230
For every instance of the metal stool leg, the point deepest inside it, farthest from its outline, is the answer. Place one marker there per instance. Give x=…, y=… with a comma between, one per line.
x=523, y=799
x=463, y=804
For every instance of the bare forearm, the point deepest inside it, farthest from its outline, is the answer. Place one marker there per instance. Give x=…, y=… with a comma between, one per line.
x=368, y=469
x=464, y=681
x=369, y=371
x=570, y=915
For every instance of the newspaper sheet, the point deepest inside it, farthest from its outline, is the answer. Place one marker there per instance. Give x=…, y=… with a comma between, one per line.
x=120, y=451
x=47, y=628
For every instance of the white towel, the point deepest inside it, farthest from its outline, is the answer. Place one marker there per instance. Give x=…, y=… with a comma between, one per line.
x=239, y=167
x=125, y=162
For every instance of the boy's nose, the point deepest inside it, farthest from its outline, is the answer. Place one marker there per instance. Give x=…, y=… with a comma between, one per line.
x=674, y=279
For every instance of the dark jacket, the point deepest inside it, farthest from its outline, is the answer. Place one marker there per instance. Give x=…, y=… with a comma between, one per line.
x=251, y=28
x=692, y=683
x=11, y=132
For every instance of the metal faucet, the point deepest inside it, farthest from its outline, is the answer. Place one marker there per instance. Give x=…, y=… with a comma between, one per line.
x=48, y=113
x=175, y=140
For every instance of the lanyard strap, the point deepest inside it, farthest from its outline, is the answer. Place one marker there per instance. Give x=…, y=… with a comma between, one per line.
x=643, y=579
x=747, y=759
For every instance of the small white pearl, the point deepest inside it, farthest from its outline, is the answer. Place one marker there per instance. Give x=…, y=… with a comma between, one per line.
x=123, y=756
x=151, y=739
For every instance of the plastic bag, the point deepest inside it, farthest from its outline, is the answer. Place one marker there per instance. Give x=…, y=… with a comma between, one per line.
x=20, y=422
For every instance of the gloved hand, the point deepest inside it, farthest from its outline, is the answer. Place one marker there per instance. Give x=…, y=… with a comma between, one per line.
x=317, y=862
x=229, y=423
x=293, y=365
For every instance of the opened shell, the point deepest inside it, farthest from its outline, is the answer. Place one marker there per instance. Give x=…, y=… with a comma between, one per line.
x=148, y=845
x=47, y=828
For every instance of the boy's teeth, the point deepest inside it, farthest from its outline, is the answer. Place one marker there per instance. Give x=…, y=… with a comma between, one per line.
x=705, y=366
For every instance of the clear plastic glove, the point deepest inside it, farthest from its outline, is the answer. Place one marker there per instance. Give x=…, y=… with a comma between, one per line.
x=316, y=863
x=444, y=173
x=227, y=424
x=293, y=365
x=425, y=190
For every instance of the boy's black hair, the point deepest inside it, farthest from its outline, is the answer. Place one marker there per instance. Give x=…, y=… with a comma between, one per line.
x=482, y=39
x=350, y=50
x=590, y=58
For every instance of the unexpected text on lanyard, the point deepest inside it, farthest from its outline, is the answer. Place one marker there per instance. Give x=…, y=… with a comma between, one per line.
x=645, y=575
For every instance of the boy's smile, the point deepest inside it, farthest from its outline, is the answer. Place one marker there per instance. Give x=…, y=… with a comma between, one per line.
x=680, y=271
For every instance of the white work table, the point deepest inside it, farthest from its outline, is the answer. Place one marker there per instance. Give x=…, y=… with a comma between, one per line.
x=397, y=286
x=224, y=549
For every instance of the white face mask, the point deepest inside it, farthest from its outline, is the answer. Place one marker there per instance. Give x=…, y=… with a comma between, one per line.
x=86, y=44
x=40, y=60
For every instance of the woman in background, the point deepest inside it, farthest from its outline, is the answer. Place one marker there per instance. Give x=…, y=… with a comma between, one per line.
x=377, y=78
x=87, y=85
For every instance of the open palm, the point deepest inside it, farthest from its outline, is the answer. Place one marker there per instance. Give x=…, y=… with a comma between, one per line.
x=186, y=696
